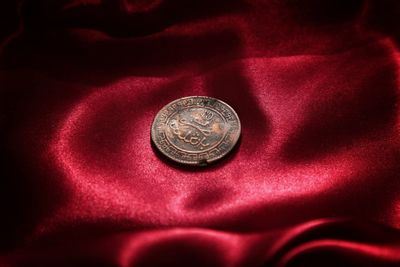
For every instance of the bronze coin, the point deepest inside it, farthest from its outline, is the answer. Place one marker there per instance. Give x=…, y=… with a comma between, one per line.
x=195, y=130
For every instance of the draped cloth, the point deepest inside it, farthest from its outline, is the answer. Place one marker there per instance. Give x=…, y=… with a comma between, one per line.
x=314, y=180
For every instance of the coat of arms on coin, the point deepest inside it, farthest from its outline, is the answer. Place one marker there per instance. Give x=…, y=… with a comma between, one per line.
x=195, y=130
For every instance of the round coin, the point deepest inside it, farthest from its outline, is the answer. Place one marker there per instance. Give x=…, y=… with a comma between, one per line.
x=195, y=130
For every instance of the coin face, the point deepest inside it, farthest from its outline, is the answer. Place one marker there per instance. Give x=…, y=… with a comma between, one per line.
x=195, y=130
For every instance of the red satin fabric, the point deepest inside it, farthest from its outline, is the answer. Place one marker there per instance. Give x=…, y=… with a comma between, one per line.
x=314, y=181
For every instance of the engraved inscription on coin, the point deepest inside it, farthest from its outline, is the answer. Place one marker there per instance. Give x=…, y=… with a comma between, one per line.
x=195, y=130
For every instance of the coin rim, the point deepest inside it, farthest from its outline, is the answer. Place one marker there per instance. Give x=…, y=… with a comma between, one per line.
x=195, y=163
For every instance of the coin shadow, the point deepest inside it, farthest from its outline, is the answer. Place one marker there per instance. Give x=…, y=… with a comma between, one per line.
x=198, y=168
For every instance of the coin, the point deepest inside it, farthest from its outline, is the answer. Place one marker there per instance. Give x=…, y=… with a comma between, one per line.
x=195, y=130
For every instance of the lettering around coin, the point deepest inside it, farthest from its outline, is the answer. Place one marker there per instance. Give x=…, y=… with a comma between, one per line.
x=195, y=130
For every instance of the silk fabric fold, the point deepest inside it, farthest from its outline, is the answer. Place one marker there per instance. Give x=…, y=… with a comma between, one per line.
x=313, y=182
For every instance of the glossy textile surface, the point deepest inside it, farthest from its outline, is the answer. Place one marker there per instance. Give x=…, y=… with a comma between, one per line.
x=314, y=181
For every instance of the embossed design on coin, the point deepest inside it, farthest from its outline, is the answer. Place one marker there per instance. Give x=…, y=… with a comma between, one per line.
x=195, y=130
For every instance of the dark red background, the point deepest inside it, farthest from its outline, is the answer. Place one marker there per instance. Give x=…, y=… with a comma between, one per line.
x=314, y=181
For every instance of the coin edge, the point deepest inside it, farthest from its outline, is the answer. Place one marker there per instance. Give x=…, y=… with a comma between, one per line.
x=195, y=163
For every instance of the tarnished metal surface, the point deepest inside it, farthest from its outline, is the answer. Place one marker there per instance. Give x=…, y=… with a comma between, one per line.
x=195, y=130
